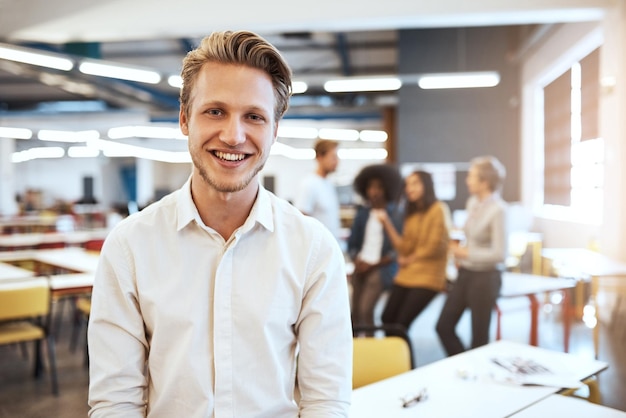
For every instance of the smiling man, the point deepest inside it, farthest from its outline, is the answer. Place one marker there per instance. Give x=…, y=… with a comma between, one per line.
x=222, y=300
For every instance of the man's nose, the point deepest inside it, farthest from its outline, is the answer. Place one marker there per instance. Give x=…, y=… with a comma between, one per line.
x=233, y=132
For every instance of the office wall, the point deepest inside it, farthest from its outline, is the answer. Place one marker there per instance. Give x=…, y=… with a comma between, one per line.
x=62, y=178
x=59, y=179
x=458, y=125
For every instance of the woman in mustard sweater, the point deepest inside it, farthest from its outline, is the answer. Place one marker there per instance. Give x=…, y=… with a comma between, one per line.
x=422, y=251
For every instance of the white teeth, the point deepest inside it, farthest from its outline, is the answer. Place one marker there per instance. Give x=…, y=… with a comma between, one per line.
x=229, y=156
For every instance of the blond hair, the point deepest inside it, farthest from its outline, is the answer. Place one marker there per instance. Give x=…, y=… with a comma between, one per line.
x=490, y=170
x=238, y=48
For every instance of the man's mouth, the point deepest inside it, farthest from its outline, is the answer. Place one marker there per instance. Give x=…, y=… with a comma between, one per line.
x=227, y=156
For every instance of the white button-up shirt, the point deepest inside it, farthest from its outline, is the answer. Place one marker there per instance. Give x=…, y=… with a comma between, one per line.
x=184, y=324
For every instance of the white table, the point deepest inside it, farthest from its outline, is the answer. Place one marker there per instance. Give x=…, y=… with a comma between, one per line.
x=567, y=406
x=32, y=240
x=10, y=273
x=72, y=258
x=469, y=385
x=584, y=262
x=72, y=283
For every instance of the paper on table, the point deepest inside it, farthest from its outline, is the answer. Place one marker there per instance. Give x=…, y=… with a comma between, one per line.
x=524, y=371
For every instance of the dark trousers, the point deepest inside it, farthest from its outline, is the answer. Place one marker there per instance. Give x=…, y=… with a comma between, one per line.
x=478, y=291
x=405, y=304
x=366, y=289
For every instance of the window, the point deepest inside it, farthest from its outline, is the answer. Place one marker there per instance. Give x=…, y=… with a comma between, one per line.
x=573, y=150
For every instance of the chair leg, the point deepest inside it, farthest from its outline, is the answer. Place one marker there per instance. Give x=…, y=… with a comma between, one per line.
x=38, y=360
x=24, y=350
x=86, y=348
x=53, y=365
x=594, y=391
x=77, y=323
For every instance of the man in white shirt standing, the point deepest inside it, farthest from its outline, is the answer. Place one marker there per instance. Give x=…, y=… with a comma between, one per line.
x=202, y=305
x=317, y=196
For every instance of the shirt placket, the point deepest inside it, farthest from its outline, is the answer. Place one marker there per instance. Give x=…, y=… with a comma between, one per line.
x=223, y=335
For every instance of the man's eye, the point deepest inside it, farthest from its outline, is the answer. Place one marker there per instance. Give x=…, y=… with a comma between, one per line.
x=215, y=112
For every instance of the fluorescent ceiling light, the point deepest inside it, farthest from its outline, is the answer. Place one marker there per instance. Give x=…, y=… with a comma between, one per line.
x=284, y=150
x=38, y=152
x=363, y=84
x=67, y=136
x=298, y=87
x=120, y=72
x=175, y=81
x=82, y=152
x=362, y=153
x=459, y=80
x=26, y=56
x=160, y=132
x=117, y=149
x=373, y=136
x=16, y=133
x=297, y=132
x=339, y=134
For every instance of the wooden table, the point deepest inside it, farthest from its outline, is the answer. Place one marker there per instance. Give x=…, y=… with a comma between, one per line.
x=595, y=266
x=530, y=285
x=470, y=384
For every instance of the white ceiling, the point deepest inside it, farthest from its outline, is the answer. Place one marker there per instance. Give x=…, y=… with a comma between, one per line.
x=123, y=20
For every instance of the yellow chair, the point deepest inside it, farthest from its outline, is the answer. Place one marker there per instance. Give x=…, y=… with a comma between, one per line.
x=25, y=316
x=377, y=357
x=592, y=393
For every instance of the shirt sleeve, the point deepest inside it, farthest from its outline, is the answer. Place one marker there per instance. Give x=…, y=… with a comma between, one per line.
x=117, y=341
x=325, y=335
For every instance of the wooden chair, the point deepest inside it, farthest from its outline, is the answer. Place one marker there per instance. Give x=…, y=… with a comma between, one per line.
x=25, y=316
x=377, y=357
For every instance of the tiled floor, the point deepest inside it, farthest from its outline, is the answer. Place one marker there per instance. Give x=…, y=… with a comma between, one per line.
x=23, y=397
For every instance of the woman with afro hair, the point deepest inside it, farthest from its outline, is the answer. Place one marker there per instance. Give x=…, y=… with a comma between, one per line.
x=422, y=251
x=369, y=247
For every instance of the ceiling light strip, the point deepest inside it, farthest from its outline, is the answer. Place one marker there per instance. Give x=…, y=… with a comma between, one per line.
x=27, y=56
x=119, y=72
x=459, y=80
x=362, y=84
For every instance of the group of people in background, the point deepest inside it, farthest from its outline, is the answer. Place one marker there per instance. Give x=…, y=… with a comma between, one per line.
x=402, y=244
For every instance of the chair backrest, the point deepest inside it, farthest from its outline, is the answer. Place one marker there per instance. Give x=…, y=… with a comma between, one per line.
x=27, y=299
x=379, y=357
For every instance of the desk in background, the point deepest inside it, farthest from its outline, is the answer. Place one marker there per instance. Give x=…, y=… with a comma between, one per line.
x=26, y=241
x=464, y=385
x=11, y=273
x=530, y=285
x=582, y=263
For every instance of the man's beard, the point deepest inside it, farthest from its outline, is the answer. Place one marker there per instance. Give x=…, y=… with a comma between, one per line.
x=227, y=187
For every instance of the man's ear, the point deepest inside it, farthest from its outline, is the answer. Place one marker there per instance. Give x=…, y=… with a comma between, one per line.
x=182, y=121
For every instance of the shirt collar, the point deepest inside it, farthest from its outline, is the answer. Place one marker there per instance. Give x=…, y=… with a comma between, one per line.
x=261, y=209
